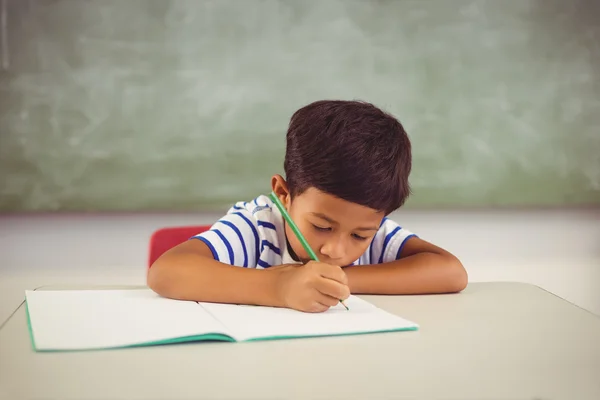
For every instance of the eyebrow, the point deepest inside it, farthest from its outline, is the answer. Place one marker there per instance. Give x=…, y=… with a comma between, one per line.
x=331, y=221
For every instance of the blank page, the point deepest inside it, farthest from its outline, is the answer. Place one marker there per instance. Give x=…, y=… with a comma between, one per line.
x=96, y=319
x=251, y=322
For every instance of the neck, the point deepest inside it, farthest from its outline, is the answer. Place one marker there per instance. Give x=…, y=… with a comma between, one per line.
x=291, y=251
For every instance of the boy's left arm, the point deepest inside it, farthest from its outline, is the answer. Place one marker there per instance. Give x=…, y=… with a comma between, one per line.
x=422, y=268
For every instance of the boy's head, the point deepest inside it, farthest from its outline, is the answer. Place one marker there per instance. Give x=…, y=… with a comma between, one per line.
x=347, y=165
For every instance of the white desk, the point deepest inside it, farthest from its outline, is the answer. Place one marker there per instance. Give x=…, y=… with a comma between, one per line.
x=506, y=341
x=13, y=283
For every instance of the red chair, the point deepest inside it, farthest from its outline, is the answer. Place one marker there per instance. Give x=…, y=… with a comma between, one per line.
x=166, y=238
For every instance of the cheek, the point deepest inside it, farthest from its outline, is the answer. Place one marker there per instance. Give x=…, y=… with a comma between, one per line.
x=356, y=249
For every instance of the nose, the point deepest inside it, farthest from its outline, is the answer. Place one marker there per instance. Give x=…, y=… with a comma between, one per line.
x=333, y=249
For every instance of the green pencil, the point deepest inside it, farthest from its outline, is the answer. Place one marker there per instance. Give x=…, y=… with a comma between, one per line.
x=299, y=235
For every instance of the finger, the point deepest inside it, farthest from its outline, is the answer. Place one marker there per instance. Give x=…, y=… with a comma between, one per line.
x=333, y=272
x=326, y=300
x=332, y=288
x=317, y=307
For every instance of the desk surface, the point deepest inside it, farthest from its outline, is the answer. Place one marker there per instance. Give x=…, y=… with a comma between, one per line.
x=492, y=341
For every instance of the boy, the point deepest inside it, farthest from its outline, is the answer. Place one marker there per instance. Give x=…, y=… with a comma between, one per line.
x=347, y=165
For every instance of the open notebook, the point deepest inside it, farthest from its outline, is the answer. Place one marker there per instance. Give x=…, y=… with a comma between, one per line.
x=101, y=319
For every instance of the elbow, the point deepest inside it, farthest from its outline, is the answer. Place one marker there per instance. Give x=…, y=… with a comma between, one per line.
x=153, y=279
x=159, y=281
x=457, y=277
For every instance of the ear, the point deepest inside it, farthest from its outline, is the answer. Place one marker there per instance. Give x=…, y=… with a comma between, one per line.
x=280, y=188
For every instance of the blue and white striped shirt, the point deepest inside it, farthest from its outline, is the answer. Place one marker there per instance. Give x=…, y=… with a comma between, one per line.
x=252, y=235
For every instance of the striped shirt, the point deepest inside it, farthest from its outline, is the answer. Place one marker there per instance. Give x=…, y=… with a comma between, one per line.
x=252, y=235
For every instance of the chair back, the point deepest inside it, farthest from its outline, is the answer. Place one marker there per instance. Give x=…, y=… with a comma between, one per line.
x=166, y=238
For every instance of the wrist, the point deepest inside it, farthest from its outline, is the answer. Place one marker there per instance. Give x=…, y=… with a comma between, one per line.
x=275, y=289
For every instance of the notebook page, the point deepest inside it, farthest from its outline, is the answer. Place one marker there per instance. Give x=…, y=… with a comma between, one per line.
x=252, y=322
x=96, y=319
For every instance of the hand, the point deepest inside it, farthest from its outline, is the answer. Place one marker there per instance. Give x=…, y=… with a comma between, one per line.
x=313, y=287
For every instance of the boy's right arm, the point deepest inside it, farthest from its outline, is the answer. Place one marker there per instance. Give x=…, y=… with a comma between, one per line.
x=189, y=272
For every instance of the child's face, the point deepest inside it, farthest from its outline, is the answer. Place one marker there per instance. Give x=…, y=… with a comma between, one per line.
x=338, y=231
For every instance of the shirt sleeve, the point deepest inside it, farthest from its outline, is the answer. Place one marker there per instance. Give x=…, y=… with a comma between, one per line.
x=233, y=239
x=388, y=242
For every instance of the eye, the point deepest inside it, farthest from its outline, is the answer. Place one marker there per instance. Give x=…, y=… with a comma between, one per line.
x=358, y=237
x=320, y=228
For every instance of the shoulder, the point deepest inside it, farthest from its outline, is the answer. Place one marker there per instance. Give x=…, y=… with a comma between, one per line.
x=387, y=243
x=391, y=229
x=241, y=235
x=260, y=218
x=260, y=210
x=391, y=235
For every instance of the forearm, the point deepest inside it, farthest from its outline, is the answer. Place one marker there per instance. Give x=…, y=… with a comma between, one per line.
x=189, y=276
x=423, y=273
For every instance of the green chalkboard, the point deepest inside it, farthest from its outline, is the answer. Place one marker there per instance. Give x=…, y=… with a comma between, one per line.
x=112, y=105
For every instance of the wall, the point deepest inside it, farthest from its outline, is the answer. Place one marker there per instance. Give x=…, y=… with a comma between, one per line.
x=111, y=105
x=558, y=250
